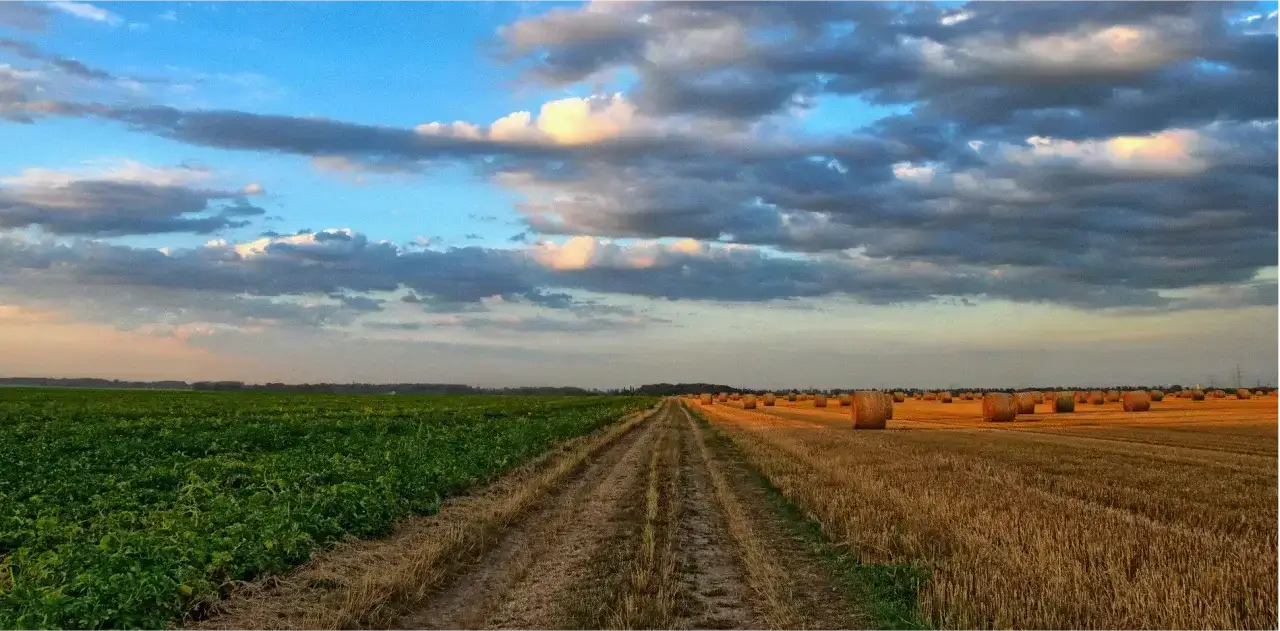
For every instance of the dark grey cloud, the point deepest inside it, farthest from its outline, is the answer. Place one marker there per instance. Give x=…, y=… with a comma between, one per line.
x=330, y=278
x=314, y=136
x=979, y=64
x=437, y=305
x=30, y=51
x=114, y=208
x=347, y=268
x=731, y=93
x=606, y=40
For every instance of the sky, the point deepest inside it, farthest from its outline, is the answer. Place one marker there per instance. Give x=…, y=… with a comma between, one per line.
x=604, y=194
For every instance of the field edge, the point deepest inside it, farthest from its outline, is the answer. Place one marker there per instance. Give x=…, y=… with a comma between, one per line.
x=888, y=593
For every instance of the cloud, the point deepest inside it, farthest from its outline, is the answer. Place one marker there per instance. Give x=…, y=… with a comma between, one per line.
x=607, y=38
x=1168, y=152
x=378, y=325
x=1002, y=64
x=359, y=167
x=31, y=93
x=86, y=11
x=127, y=198
x=27, y=50
x=333, y=278
x=24, y=15
x=1105, y=156
x=543, y=324
x=571, y=121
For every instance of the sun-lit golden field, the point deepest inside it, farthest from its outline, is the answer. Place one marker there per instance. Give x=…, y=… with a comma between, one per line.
x=1092, y=519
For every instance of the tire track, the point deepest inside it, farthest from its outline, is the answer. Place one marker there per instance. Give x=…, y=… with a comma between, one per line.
x=666, y=530
x=526, y=581
x=653, y=595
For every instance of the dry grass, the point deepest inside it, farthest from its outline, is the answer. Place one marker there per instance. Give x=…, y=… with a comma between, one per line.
x=1091, y=519
x=365, y=583
x=765, y=575
x=650, y=599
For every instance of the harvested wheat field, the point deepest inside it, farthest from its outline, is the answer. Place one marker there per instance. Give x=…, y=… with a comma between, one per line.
x=1097, y=518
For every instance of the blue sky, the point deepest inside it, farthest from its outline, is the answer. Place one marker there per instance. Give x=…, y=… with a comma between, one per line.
x=957, y=181
x=305, y=60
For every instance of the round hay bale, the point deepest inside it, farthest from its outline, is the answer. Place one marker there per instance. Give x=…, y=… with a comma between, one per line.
x=845, y=400
x=1025, y=402
x=1113, y=396
x=966, y=396
x=867, y=410
x=1243, y=393
x=1197, y=395
x=768, y=399
x=791, y=396
x=1259, y=393
x=704, y=399
x=1137, y=401
x=929, y=396
x=1082, y=397
x=944, y=397
x=899, y=397
x=887, y=401
x=749, y=402
x=1064, y=402
x=1156, y=395
x=1219, y=394
x=819, y=400
x=1097, y=397
x=998, y=407
x=722, y=397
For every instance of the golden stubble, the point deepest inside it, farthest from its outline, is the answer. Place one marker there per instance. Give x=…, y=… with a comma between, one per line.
x=1097, y=519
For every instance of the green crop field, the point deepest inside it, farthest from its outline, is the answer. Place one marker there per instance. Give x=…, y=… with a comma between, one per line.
x=127, y=508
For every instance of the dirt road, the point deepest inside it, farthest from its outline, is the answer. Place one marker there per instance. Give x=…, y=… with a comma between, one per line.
x=659, y=525
x=660, y=531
